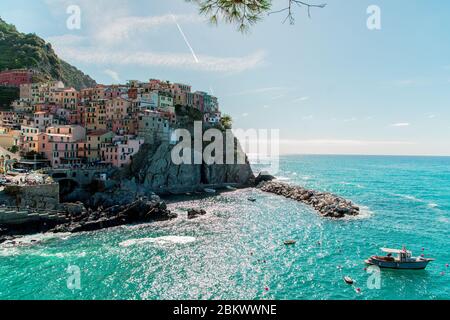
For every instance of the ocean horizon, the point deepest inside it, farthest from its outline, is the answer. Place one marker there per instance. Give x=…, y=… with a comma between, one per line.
x=237, y=250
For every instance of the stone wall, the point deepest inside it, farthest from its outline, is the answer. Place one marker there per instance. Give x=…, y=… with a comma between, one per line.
x=37, y=196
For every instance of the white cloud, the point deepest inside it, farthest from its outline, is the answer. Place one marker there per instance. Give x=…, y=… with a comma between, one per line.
x=113, y=74
x=258, y=90
x=120, y=29
x=301, y=99
x=94, y=55
x=66, y=40
x=325, y=142
x=401, y=124
x=308, y=117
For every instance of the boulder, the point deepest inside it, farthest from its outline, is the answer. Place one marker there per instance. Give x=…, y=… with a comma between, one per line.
x=195, y=213
x=264, y=177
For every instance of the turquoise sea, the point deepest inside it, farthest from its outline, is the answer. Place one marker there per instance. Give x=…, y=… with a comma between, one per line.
x=237, y=250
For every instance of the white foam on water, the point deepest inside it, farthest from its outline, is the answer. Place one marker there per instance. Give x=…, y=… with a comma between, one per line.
x=8, y=252
x=160, y=240
x=34, y=239
x=360, y=186
x=283, y=178
x=364, y=213
x=443, y=219
x=414, y=199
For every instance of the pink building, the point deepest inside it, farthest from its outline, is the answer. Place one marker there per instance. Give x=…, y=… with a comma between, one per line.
x=60, y=144
x=121, y=150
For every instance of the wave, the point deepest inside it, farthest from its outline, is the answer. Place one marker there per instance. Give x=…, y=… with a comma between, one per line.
x=160, y=240
x=414, y=199
x=364, y=213
x=360, y=186
x=34, y=239
x=283, y=178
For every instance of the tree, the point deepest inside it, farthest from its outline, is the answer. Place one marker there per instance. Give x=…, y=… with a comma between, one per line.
x=226, y=121
x=13, y=149
x=246, y=13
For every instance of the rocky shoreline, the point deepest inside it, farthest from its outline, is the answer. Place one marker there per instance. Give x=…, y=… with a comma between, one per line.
x=81, y=219
x=325, y=203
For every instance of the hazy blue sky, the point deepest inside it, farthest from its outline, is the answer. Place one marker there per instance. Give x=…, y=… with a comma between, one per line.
x=328, y=83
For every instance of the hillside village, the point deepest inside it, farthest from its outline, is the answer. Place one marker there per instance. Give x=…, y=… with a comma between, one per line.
x=55, y=126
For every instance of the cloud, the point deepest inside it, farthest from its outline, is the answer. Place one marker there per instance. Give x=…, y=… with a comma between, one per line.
x=120, y=29
x=66, y=40
x=301, y=99
x=258, y=90
x=308, y=117
x=113, y=74
x=99, y=55
x=346, y=142
x=401, y=124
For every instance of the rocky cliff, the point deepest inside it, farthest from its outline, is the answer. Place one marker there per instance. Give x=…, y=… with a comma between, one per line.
x=153, y=172
x=156, y=171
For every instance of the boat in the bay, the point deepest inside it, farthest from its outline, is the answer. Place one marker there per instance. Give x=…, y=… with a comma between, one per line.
x=349, y=280
x=399, y=259
x=210, y=191
x=290, y=242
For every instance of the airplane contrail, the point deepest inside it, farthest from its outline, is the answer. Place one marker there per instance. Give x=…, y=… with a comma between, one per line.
x=185, y=39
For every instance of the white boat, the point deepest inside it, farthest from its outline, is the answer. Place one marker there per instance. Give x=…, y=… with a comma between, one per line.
x=211, y=191
x=403, y=259
x=349, y=280
x=231, y=188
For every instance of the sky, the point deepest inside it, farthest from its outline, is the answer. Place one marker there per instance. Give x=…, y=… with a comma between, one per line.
x=328, y=83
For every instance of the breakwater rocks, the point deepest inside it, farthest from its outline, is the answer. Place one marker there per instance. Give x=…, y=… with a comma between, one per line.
x=327, y=204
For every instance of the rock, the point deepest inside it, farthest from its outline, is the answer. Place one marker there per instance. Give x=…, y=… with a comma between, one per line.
x=327, y=204
x=194, y=213
x=264, y=177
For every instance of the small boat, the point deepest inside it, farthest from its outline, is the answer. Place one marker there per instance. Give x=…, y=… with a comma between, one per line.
x=231, y=188
x=402, y=260
x=252, y=199
x=290, y=242
x=211, y=191
x=349, y=280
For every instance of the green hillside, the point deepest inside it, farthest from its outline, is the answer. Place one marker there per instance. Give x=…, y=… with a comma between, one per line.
x=19, y=50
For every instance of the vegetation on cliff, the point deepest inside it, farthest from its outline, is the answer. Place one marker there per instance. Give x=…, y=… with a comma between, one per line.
x=8, y=95
x=28, y=51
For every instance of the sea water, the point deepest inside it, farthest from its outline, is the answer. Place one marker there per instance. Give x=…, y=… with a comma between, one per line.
x=237, y=250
